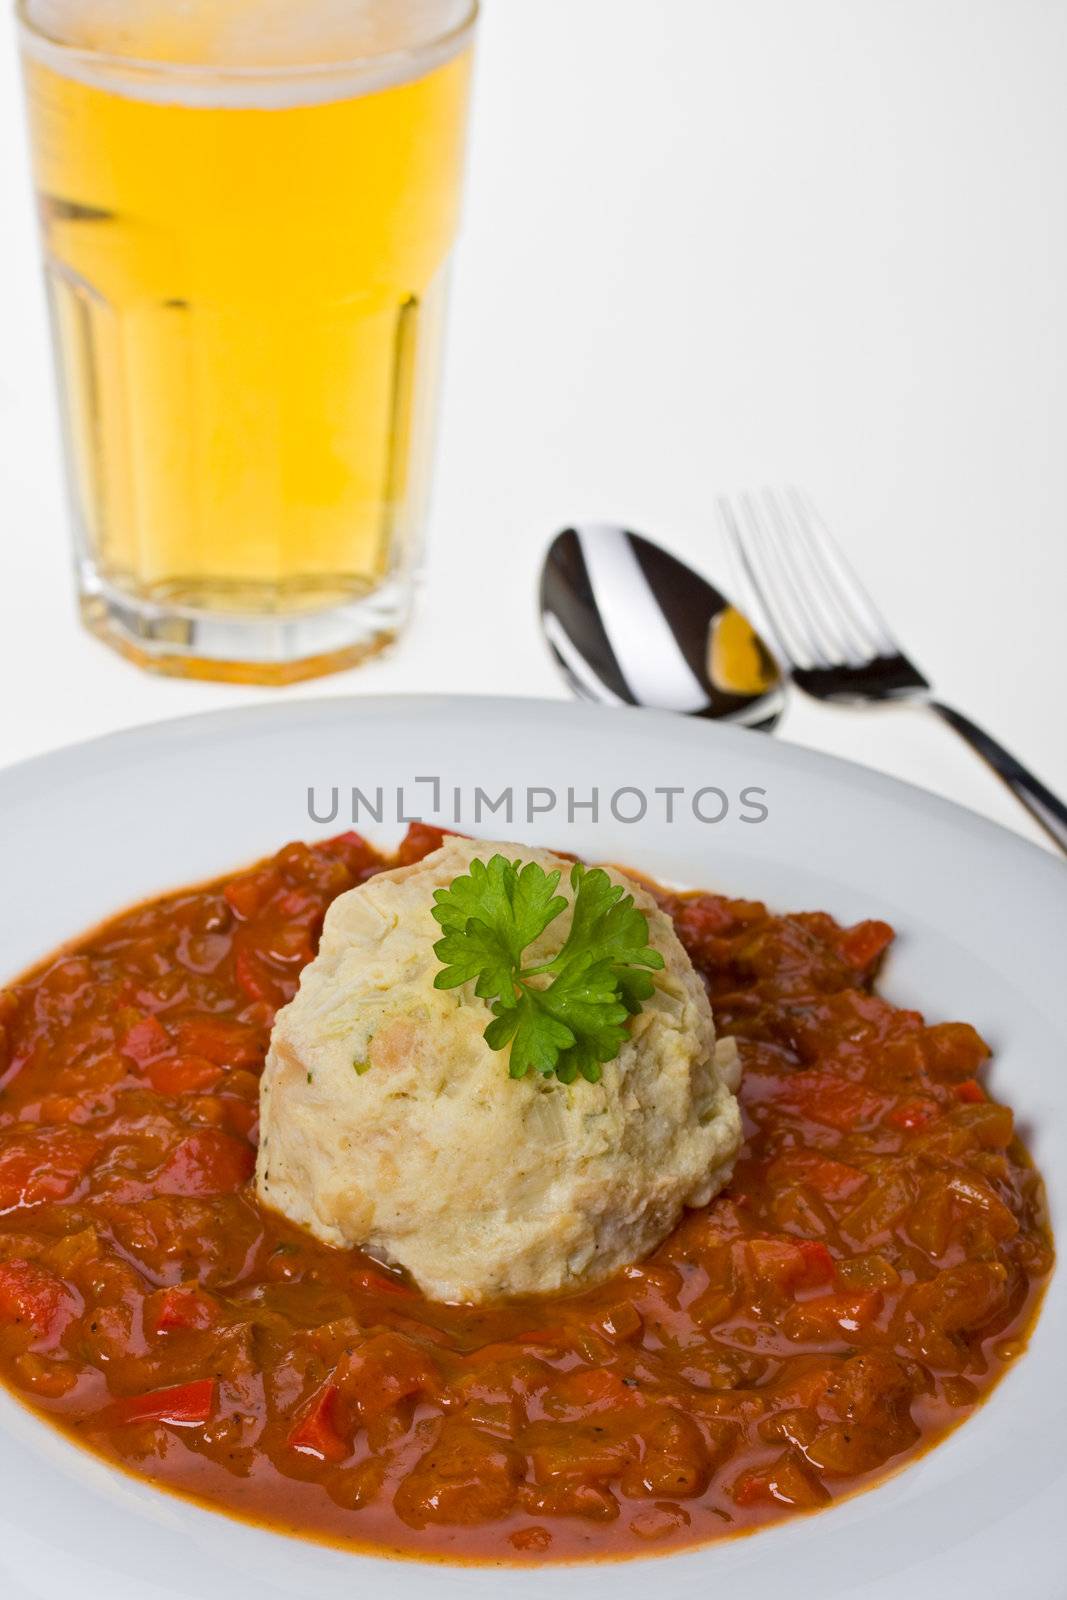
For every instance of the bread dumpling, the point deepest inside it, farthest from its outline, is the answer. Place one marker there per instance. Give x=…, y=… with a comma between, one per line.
x=389, y=1124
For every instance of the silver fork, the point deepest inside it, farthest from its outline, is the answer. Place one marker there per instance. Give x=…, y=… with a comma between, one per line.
x=835, y=639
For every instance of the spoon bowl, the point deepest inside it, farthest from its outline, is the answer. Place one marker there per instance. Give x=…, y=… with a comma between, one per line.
x=630, y=624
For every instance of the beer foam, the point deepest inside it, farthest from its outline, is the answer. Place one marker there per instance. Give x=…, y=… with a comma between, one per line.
x=383, y=41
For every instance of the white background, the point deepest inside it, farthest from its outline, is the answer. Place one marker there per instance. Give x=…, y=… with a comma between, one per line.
x=709, y=244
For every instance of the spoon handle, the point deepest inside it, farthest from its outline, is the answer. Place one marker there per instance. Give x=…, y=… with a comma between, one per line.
x=1042, y=804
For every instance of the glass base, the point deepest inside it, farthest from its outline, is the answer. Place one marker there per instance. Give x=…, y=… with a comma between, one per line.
x=183, y=641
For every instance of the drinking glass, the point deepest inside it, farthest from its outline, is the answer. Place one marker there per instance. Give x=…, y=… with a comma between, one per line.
x=247, y=210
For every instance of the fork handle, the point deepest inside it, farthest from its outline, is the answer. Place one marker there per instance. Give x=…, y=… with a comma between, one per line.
x=1041, y=803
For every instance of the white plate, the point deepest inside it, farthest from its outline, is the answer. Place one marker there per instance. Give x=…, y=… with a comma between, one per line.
x=982, y=918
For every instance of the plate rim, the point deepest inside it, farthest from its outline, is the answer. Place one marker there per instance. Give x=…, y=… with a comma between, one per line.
x=850, y=779
x=806, y=756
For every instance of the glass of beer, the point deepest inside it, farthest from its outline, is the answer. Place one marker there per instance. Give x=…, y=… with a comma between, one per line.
x=248, y=208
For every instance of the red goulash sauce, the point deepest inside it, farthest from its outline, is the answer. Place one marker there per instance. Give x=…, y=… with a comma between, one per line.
x=870, y=1272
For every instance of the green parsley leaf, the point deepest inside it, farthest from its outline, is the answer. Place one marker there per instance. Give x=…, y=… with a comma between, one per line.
x=612, y=927
x=536, y=1038
x=572, y=1024
x=489, y=919
x=584, y=998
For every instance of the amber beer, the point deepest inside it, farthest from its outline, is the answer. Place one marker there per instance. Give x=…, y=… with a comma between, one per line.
x=248, y=208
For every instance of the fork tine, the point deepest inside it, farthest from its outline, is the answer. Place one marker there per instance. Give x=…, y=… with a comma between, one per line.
x=764, y=573
x=833, y=641
x=853, y=603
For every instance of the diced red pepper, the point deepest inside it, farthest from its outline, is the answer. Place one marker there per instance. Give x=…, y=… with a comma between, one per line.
x=32, y=1295
x=591, y=1388
x=914, y=1113
x=786, y=1481
x=825, y=1098
x=833, y=1180
x=185, y=1306
x=818, y=1263
x=183, y=1075
x=420, y=841
x=315, y=1434
x=248, y=896
x=789, y=1264
x=186, y=1405
x=704, y=916
x=862, y=945
x=970, y=1091
x=145, y=1040
x=357, y=855
x=206, y=1162
x=345, y=841
x=954, y=1050
x=704, y=921
x=833, y=1315
x=254, y=979
x=42, y=1164
x=227, y=1043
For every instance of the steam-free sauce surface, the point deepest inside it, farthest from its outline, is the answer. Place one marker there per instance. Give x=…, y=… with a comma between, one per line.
x=871, y=1270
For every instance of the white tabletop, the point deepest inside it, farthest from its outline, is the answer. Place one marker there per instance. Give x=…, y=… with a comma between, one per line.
x=709, y=244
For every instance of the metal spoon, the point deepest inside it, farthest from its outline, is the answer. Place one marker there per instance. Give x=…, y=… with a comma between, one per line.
x=629, y=624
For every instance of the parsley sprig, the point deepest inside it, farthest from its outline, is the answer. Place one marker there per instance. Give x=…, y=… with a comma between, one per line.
x=575, y=1022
